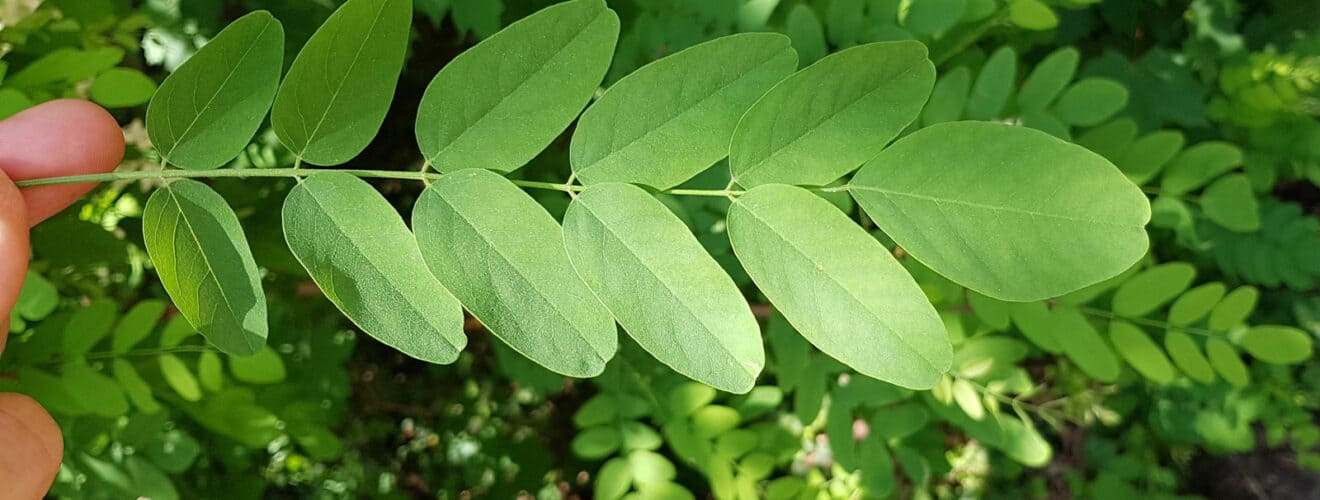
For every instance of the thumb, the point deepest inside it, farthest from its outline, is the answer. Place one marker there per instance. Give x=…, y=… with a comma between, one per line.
x=30, y=448
x=13, y=250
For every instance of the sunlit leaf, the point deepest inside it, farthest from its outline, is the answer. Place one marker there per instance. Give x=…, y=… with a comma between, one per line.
x=662, y=286
x=1004, y=208
x=503, y=257
x=838, y=286
x=501, y=102
x=334, y=97
x=207, y=110
x=825, y=120
x=361, y=254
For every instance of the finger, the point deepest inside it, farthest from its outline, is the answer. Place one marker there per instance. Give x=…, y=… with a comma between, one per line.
x=30, y=448
x=61, y=137
x=13, y=250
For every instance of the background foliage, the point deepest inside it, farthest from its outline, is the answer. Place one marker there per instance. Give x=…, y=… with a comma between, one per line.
x=1190, y=374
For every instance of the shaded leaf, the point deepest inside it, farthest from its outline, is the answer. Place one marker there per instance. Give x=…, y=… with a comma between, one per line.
x=204, y=262
x=361, y=254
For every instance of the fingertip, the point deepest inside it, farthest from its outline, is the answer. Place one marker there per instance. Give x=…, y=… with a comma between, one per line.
x=57, y=138
x=13, y=249
x=34, y=447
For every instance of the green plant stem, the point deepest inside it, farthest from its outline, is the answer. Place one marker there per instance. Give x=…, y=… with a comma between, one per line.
x=1147, y=322
x=298, y=173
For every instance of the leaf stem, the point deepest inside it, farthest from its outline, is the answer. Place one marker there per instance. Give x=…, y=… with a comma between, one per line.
x=298, y=173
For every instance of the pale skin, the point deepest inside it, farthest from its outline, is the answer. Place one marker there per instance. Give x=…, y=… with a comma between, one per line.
x=57, y=138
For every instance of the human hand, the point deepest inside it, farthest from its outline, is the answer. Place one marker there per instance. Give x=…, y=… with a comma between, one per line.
x=63, y=137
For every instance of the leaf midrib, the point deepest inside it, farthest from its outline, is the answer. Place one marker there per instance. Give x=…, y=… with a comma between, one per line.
x=677, y=298
x=523, y=276
x=848, y=291
x=993, y=208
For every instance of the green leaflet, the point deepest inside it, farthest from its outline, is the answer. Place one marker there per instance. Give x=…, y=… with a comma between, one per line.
x=1032, y=14
x=503, y=256
x=179, y=378
x=361, y=254
x=662, y=286
x=1197, y=165
x=1152, y=288
x=1225, y=360
x=1083, y=344
x=1144, y=158
x=501, y=102
x=1277, y=344
x=1089, y=102
x=205, y=264
x=1234, y=309
x=88, y=326
x=803, y=26
x=948, y=97
x=335, y=96
x=673, y=118
x=1187, y=355
x=1048, y=79
x=1005, y=208
x=825, y=120
x=98, y=393
x=124, y=88
x=137, y=324
x=1196, y=303
x=838, y=286
x=1230, y=202
x=993, y=85
x=206, y=112
x=1141, y=352
x=134, y=386
x=266, y=367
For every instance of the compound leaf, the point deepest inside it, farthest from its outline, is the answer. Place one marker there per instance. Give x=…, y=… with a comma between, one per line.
x=673, y=118
x=206, y=266
x=361, y=254
x=335, y=96
x=987, y=205
x=993, y=86
x=503, y=256
x=206, y=112
x=825, y=120
x=662, y=286
x=839, y=286
x=501, y=102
